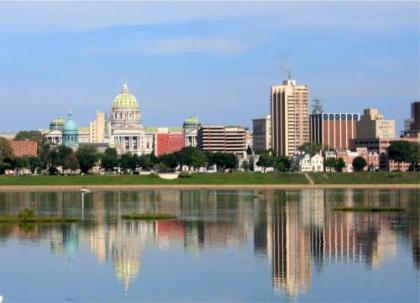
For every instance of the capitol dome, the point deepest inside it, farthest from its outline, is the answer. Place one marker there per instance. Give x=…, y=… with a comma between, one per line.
x=70, y=125
x=125, y=100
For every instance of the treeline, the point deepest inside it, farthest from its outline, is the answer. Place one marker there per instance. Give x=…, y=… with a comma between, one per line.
x=87, y=156
x=190, y=157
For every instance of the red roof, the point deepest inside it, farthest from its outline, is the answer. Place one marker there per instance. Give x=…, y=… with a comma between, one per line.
x=24, y=148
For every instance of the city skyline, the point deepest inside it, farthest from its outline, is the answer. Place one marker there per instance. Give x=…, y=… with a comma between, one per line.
x=185, y=59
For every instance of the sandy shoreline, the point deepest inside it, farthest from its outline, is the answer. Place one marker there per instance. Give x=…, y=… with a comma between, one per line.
x=39, y=188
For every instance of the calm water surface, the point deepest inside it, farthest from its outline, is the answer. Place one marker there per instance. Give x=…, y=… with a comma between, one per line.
x=226, y=246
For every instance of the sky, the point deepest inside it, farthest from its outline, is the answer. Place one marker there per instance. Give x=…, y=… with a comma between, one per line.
x=217, y=60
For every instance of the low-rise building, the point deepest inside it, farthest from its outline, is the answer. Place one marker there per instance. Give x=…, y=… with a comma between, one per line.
x=24, y=148
x=168, y=140
x=371, y=157
x=308, y=163
x=379, y=145
x=226, y=139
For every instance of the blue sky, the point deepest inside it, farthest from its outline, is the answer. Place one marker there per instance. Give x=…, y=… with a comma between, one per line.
x=216, y=60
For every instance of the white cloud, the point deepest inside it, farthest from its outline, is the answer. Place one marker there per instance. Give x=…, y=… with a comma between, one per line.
x=221, y=46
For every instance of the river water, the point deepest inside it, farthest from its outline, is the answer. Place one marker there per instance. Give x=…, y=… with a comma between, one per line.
x=225, y=246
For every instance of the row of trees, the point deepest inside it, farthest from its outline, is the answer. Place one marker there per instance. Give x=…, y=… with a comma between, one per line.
x=188, y=156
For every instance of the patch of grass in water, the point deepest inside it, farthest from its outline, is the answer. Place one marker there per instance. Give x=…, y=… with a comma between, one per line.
x=29, y=216
x=148, y=216
x=369, y=209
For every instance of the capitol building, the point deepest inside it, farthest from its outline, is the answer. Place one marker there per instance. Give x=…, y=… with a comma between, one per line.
x=122, y=129
x=127, y=133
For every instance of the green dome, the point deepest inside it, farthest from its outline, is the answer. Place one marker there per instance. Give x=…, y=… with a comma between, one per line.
x=192, y=121
x=70, y=126
x=57, y=123
x=125, y=100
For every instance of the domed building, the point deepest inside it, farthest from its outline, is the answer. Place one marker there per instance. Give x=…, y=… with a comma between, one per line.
x=127, y=131
x=54, y=134
x=191, y=126
x=70, y=132
x=57, y=123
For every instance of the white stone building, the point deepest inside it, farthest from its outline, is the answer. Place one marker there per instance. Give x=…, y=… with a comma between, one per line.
x=127, y=131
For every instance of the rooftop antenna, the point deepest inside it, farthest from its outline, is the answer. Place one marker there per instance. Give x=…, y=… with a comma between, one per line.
x=289, y=75
x=317, y=107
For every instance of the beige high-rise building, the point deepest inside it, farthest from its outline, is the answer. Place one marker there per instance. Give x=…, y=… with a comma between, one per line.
x=97, y=128
x=373, y=125
x=289, y=117
x=261, y=132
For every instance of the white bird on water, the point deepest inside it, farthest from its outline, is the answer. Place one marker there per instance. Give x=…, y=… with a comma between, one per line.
x=1, y=299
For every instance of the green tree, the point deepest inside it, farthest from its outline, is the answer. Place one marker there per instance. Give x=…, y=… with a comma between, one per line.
x=282, y=163
x=245, y=165
x=339, y=165
x=210, y=158
x=87, y=155
x=192, y=157
x=127, y=162
x=415, y=155
x=109, y=159
x=34, y=163
x=310, y=148
x=198, y=159
x=170, y=161
x=6, y=155
x=330, y=163
x=400, y=151
x=146, y=162
x=21, y=162
x=57, y=155
x=71, y=162
x=265, y=160
x=359, y=163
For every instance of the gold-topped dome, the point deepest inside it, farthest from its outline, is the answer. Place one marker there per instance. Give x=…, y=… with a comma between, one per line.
x=125, y=100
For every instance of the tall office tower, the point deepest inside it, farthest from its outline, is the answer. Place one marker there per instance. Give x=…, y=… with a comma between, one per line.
x=412, y=125
x=289, y=116
x=373, y=125
x=97, y=128
x=415, y=115
x=261, y=133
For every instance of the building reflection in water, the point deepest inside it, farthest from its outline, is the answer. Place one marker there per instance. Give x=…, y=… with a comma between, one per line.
x=296, y=231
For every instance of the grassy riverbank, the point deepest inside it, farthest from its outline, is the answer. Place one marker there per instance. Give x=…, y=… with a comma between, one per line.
x=234, y=179
x=199, y=179
x=366, y=178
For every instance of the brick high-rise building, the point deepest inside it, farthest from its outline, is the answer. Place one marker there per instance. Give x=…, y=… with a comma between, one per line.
x=333, y=130
x=412, y=130
x=289, y=116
